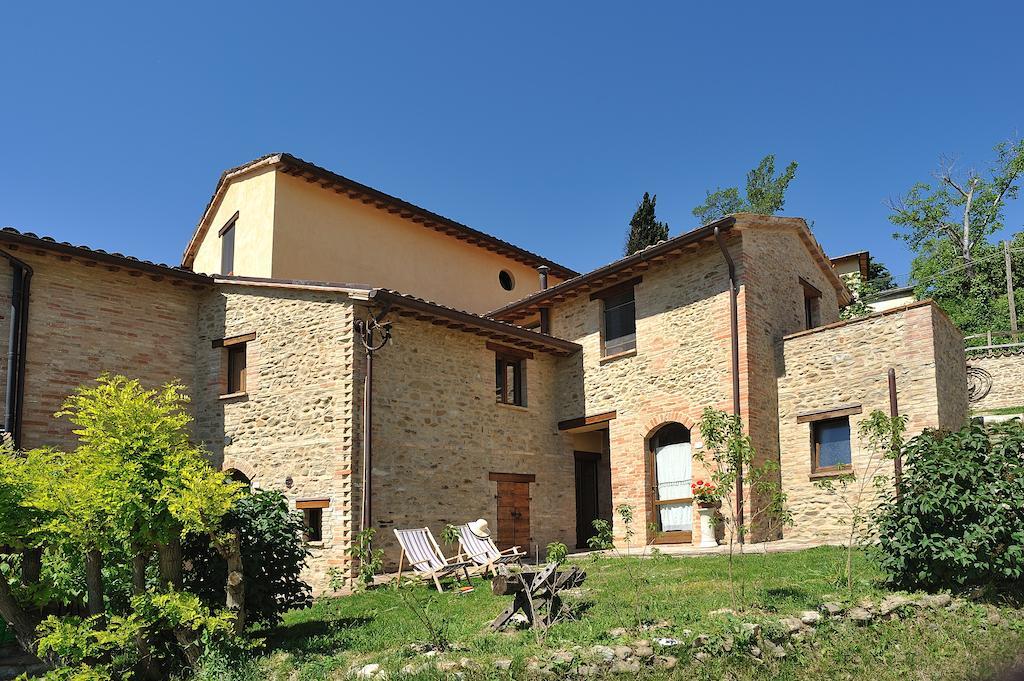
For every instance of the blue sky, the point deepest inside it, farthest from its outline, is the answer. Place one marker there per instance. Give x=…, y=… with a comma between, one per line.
x=541, y=123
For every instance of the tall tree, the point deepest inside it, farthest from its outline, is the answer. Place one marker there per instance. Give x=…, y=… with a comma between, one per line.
x=644, y=228
x=963, y=209
x=765, y=194
x=948, y=224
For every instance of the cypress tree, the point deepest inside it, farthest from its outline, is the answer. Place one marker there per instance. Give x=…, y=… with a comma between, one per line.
x=644, y=228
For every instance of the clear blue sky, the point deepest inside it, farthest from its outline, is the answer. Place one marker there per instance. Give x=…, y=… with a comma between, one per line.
x=541, y=123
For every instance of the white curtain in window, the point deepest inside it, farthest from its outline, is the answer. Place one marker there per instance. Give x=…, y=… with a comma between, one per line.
x=674, y=472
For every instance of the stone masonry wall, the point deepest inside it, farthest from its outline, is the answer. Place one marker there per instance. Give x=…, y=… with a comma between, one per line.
x=293, y=428
x=438, y=433
x=847, y=364
x=774, y=261
x=681, y=365
x=1007, y=371
x=950, y=370
x=86, y=319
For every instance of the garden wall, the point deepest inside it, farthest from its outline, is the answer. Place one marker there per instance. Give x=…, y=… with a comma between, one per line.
x=1005, y=369
x=846, y=365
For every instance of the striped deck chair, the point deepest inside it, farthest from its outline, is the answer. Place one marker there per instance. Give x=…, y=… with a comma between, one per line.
x=484, y=553
x=424, y=556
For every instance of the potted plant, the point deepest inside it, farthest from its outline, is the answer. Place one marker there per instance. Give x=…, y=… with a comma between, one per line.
x=709, y=499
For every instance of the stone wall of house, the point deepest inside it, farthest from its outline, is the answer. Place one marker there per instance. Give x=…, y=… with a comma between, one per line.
x=438, y=434
x=681, y=365
x=846, y=364
x=86, y=319
x=950, y=370
x=1006, y=369
x=774, y=261
x=292, y=430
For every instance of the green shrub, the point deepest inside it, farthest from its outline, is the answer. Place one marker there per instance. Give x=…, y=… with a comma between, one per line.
x=272, y=557
x=602, y=539
x=959, y=521
x=557, y=552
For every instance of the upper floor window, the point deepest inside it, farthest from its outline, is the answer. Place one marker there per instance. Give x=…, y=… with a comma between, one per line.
x=812, y=304
x=618, y=318
x=227, y=246
x=510, y=374
x=506, y=280
x=235, y=367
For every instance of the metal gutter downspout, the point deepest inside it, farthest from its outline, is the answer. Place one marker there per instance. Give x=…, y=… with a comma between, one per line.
x=21, y=277
x=735, y=347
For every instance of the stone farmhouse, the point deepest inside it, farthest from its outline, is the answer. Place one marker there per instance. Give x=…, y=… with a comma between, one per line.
x=513, y=388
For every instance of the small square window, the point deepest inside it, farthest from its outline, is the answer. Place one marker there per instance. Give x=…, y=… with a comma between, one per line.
x=313, y=519
x=236, y=368
x=509, y=383
x=831, y=441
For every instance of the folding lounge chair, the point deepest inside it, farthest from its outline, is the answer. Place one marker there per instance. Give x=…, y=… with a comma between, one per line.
x=483, y=552
x=424, y=556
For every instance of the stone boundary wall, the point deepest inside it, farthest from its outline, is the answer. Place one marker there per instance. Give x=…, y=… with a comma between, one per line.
x=1007, y=371
x=847, y=364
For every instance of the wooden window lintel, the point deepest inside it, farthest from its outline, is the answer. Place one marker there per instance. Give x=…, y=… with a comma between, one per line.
x=303, y=504
x=234, y=340
x=509, y=351
x=618, y=287
x=835, y=412
x=511, y=477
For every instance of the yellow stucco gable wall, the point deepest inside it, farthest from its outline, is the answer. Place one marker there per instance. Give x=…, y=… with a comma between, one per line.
x=323, y=235
x=253, y=198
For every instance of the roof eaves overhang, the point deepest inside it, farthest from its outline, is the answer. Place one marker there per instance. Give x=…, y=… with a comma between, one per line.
x=441, y=315
x=92, y=256
x=613, y=272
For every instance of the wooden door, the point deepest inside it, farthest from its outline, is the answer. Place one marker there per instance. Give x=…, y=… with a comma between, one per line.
x=513, y=515
x=586, y=496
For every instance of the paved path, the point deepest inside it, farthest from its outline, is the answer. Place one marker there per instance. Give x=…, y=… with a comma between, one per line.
x=689, y=550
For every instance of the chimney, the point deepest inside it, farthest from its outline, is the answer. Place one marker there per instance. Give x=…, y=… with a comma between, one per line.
x=543, y=269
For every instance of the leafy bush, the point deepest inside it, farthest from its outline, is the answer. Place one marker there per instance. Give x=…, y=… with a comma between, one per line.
x=273, y=557
x=602, y=538
x=369, y=559
x=959, y=520
x=557, y=552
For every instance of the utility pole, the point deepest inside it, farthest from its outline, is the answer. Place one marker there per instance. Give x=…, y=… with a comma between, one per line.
x=1009, y=290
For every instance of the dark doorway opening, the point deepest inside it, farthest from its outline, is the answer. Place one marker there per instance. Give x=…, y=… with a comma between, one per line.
x=587, y=496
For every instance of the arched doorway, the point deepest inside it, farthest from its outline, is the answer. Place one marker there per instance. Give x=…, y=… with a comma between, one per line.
x=239, y=476
x=672, y=472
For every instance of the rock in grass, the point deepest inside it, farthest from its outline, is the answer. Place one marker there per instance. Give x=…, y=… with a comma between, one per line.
x=772, y=649
x=622, y=652
x=935, y=601
x=668, y=642
x=626, y=667
x=832, y=609
x=892, y=604
x=860, y=615
x=810, y=617
x=722, y=612
x=643, y=650
x=563, y=657
x=665, y=662
x=603, y=653
x=369, y=671
x=616, y=633
x=503, y=665
x=755, y=652
x=791, y=624
x=751, y=628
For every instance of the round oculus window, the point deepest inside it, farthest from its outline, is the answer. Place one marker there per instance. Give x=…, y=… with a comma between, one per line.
x=506, y=280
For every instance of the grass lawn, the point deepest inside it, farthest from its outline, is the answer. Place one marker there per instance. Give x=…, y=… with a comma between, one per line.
x=971, y=641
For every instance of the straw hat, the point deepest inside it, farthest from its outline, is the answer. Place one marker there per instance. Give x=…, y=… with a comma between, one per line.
x=480, y=528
